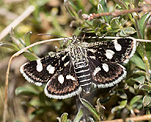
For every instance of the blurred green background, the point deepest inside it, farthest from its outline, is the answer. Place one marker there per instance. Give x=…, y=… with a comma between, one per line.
x=27, y=103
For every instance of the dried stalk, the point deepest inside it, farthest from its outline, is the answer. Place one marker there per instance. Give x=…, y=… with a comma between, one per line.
x=18, y=20
x=134, y=119
x=116, y=13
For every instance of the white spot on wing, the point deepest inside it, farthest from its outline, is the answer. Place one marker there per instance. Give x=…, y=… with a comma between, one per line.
x=66, y=63
x=50, y=69
x=27, y=77
x=61, y=79
x=70, y=77
x=93, y=57
x=38, y=83
x=105, y=67
x=96, y=70
x=134, y=43
x=92, y=50
x=39, y=66
x=106, y=85
x=117, y=46
x=63, y=58
x=109, y=54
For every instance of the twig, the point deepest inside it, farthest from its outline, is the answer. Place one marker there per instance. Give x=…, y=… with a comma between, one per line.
x=18, y=20
x=140, y=118
x=8, y=68
x=143, y=40
x=115, y=13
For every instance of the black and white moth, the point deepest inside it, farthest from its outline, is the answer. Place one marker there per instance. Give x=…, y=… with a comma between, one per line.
x=67, y=72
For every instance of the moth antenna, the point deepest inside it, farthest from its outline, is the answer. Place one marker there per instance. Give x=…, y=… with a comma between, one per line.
x=40, y=34
x=82, y=40
x=74, y=38
x=65, y=38
x=65, y=41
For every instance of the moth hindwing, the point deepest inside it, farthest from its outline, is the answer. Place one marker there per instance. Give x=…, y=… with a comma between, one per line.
x=66, y=73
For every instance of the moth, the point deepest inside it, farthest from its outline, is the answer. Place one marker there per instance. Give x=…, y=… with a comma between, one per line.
x=81, y=66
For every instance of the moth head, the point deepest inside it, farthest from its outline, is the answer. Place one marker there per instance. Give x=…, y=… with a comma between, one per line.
x=75, y=39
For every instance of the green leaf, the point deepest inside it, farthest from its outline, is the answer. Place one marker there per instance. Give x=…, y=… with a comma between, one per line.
x=121, y=3
x=140, y=79
x=9, y=45
x=146, y=100
x=123, y=21
x=70, y=6
x=115, y=23
x=78, y=116
x=96, y=23
x=122, y=33
x=18, y=42
x=140, y=73
x=138, y=62
x=102, y=7
x=36, y=103
x=94, y=2
x=30, y=56
x=17, y=121
x=140, y=49
x=20, y=45
x=145, y=88
x=132, y=90
x=39, y=111
x=131, y=81
x=122, y=94
x=135, y=99
x=129, y=30
x=121, y=106
x=26, y=91
x=148, y=50
x=63, y=117
x=90, y=108
x=42, y=97
x=27, y=39
x=142, y=23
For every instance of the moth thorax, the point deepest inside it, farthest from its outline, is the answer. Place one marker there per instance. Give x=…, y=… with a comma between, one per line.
x=77, y=52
